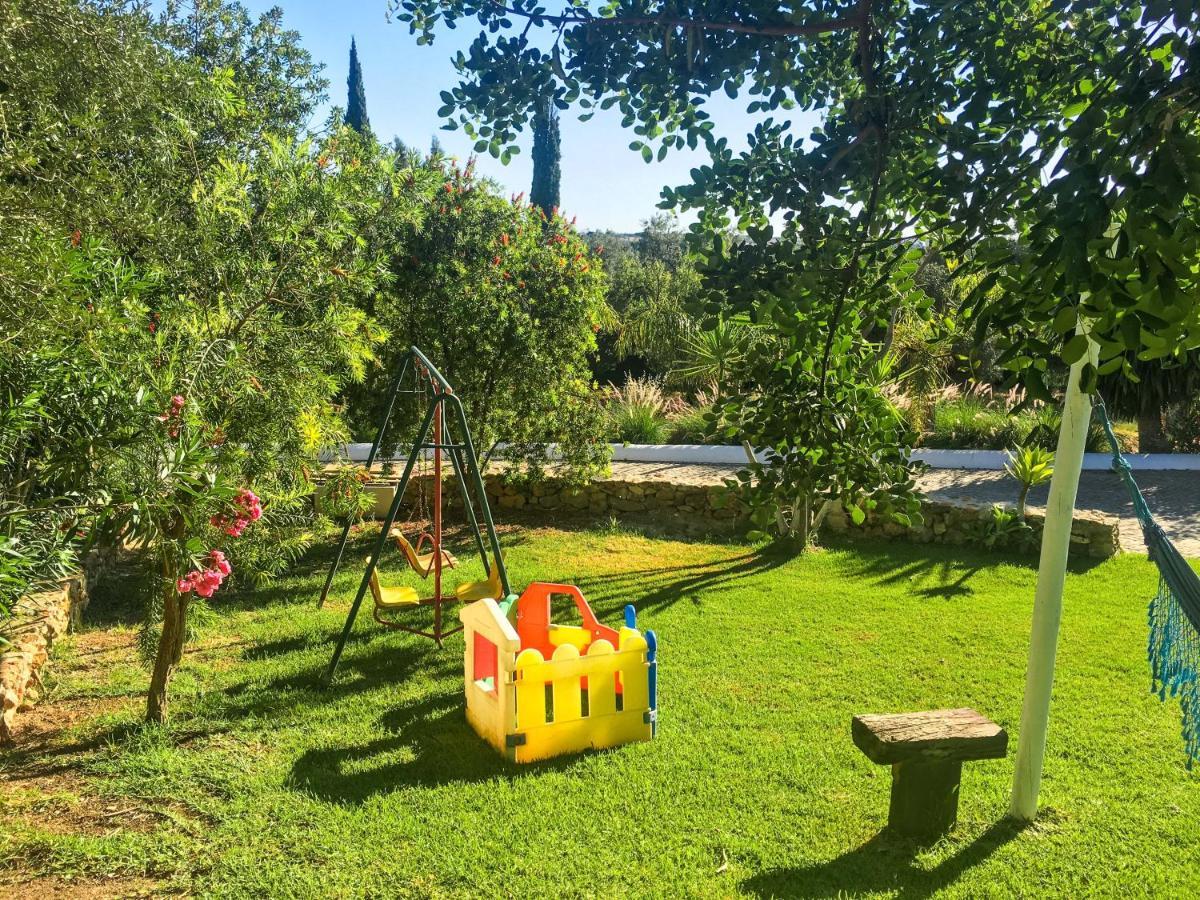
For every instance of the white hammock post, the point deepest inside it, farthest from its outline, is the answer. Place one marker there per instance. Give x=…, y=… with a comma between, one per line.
x=1047, y=601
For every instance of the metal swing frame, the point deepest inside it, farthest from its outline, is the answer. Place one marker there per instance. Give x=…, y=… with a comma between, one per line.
x=465, y=465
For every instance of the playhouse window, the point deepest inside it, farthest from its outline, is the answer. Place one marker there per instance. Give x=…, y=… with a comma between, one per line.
x=484, y=663
x=563, y=611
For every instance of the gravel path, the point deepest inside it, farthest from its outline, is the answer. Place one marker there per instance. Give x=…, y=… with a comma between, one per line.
x=1174, y=497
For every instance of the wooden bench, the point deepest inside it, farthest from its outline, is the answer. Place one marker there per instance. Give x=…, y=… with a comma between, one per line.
x=926, y=751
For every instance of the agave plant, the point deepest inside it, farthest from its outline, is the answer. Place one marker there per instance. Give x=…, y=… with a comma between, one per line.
x=1030, y=466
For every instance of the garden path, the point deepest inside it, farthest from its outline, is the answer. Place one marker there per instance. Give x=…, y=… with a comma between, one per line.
x=1174, y=497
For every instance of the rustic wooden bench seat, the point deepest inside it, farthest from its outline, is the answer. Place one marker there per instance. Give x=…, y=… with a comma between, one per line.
x=926, y=751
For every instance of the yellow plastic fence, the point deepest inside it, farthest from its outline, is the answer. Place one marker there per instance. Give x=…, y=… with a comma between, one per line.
x=610, y=718
x=571, y=702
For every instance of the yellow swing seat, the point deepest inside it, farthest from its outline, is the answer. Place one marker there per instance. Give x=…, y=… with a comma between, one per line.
x=421, y=563
x=487, y=589
x=393, y=597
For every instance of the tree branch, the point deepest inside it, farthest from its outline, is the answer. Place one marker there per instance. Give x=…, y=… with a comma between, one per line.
x=810, y=28
x=866, y=65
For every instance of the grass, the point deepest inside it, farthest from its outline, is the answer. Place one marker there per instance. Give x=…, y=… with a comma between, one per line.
x=266, y=784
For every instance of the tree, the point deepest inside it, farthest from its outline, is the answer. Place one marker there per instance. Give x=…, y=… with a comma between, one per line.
x=1158, y=387
x=544, y=194
x=652, y=302
x=939, y=121
x=356, y=95
x=661, y=240
x=505, y=303
x=273, y=80
x=262, y=332
x=146, y=260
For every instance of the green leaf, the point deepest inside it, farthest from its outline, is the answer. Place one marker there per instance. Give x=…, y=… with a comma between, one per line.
x=1065, y=319
x=1074, y=349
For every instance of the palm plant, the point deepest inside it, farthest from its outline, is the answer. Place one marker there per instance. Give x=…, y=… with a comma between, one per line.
x=925, y=353
x=708, y=356
x=654, y=310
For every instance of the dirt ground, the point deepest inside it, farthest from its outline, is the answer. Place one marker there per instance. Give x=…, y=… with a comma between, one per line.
x=41, y=784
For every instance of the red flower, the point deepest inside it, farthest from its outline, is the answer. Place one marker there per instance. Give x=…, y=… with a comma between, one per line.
x=495, y=260
x=76, y=237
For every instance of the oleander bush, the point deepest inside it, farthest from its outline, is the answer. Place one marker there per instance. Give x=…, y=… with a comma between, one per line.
x=191, y=284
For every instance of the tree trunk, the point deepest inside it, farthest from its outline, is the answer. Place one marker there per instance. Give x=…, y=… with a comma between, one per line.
x=170, y=645
x=1151, y=437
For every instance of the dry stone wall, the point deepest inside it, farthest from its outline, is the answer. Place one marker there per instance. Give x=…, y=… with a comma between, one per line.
x=696, y=509
x=38, y=620
x=1093, y=535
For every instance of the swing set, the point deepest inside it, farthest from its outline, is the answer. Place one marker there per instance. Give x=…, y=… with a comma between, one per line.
x=443, y=434
x=534, y=688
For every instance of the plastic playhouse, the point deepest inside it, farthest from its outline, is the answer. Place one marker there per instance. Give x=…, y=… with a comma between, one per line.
x=539, y=689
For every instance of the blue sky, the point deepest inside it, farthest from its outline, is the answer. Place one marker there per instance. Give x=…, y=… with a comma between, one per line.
x=604, y=183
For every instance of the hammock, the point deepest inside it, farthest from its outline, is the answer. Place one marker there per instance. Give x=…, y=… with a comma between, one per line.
x=1174, y=617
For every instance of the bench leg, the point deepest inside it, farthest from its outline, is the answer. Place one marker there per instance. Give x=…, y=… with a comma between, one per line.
x=924, y=797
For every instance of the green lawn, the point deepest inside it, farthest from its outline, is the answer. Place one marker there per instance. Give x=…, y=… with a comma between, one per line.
x=267, y=784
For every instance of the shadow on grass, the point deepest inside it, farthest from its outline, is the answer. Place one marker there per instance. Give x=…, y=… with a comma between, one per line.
x=661, y=587
x=884, y=864
x=429, y=743
x=360, y=671
x=951, y=575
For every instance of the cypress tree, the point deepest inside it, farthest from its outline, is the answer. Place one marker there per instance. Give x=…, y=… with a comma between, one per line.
x=356, y=102
x=544, y=192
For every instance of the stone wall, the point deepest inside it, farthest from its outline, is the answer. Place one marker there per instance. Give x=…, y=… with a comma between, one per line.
x=695, y=509
x=38, y=620
x=1093, y=534
x=679, y=508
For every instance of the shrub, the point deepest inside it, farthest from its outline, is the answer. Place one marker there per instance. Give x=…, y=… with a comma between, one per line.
x=637, y=425
x=636, y=413
x=344, y=494
x=1183, y=426
x=503, y=300
x=968, y=422
x=695, y=425
x=972, y=422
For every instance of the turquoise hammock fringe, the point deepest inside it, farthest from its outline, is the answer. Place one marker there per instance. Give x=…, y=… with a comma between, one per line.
x=1174, y=616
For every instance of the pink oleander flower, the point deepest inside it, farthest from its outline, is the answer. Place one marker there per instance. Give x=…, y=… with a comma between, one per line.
x=205, y=582
x=173, y=417
x=247, y=508
x=218, y=561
